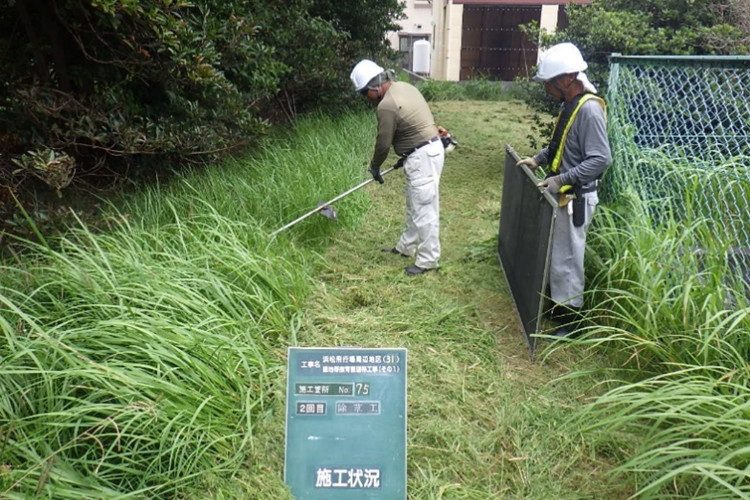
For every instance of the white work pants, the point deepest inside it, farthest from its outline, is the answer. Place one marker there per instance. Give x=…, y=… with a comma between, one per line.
x=566, y=274
x=421, y=236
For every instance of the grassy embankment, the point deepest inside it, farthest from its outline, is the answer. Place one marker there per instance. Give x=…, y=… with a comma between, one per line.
x=147, y=359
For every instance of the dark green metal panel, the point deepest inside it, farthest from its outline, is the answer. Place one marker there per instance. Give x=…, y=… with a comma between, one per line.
x=346, y=424
x=524, y=241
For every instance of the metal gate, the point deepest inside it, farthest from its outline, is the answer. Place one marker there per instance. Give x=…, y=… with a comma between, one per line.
x=493, y=46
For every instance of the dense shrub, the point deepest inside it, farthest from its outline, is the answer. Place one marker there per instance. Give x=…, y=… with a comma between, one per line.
x=126, y=84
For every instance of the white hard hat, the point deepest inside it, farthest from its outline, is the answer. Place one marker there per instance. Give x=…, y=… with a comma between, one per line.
x=560, y=59
x=363, y=72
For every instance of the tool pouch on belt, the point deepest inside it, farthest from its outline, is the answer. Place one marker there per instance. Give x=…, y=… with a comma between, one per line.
x=579, y=207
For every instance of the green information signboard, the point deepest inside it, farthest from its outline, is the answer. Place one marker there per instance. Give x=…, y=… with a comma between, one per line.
x=346, y=424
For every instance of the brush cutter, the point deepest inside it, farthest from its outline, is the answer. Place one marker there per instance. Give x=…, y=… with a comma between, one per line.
x=325, y=208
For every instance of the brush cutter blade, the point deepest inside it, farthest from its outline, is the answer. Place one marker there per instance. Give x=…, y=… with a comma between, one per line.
x=325, y=208
x=327, y=211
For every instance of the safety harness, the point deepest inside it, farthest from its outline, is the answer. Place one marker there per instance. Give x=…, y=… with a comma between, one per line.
x=562, y=127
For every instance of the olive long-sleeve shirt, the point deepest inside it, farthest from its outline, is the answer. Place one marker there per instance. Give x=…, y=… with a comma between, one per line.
x=404, y=122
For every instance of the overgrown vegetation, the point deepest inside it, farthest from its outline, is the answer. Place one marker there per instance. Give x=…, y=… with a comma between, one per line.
x=144, y=356
x=124, y=86
x=138, y=356
x=670, y=302
x=135, y=361
x=102, y=94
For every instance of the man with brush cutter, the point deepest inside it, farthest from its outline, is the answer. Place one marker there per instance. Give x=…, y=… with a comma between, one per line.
x=406, y=123
x=577, y=156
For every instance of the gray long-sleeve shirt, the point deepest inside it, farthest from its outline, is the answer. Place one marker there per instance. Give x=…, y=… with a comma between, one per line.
x=587, y=154
x=404, y=121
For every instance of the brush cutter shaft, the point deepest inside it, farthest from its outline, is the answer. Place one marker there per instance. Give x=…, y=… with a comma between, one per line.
x=329, y=202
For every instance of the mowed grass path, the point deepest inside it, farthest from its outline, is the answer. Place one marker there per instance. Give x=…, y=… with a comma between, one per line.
x=484, y=419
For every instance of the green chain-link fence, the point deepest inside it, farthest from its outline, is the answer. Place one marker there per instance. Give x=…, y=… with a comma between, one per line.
x=680, y=134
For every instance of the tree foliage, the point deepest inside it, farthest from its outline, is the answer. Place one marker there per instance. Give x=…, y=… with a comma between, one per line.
x=364, y=21
x=644, y=27
x=127, y=84
x=651, y=27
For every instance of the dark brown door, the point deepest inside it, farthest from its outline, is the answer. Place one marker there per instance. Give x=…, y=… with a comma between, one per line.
x=493, y=46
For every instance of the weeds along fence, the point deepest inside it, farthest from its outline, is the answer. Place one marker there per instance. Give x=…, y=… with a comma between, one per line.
x=666, y=291
x=680, y=133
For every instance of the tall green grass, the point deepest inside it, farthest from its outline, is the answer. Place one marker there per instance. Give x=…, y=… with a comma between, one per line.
x=673, y=313
x=480, y=89
x=318, y=159
x=690, y=429
x=666, y=290
x=136, y=359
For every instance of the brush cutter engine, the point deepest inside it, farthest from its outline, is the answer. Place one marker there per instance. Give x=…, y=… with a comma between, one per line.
x=449, y=143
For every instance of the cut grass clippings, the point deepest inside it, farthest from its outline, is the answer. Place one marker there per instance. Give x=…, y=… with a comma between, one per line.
x=484, y=420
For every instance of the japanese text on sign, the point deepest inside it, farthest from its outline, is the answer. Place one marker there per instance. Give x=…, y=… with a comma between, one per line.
x=359, y=363
x=358, y=408
x=347, y=478
x=311, y=408
x=346, y=423
x=324, y=389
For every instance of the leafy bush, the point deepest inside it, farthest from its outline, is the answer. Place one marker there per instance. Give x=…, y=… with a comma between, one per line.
x=118, y=84
x=56, y=169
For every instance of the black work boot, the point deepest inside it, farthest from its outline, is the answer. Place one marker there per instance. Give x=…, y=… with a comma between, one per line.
x=416, y=270
x=556, y=311
x=393, y=251
x=570, y=321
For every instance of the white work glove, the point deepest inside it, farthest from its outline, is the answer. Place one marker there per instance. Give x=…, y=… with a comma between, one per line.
x=553, y=184
x=529, y=162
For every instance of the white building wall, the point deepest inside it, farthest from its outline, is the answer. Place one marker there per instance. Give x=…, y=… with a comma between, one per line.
x=452, y=39
x=418, y=21
x=446, y=50
x=548, y=22
x=442, y=21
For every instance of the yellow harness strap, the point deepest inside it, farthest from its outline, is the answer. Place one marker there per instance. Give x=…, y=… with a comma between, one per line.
x=557, y=160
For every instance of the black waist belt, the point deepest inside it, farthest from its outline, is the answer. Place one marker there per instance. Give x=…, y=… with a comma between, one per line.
x=589, y=189
x=425, y=143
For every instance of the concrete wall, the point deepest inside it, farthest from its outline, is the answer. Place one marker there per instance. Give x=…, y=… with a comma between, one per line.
x=548, y=22
x=446, y=50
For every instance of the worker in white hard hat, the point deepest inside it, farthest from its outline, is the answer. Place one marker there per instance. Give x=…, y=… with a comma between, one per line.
x=576, y=157
x=405, y=123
